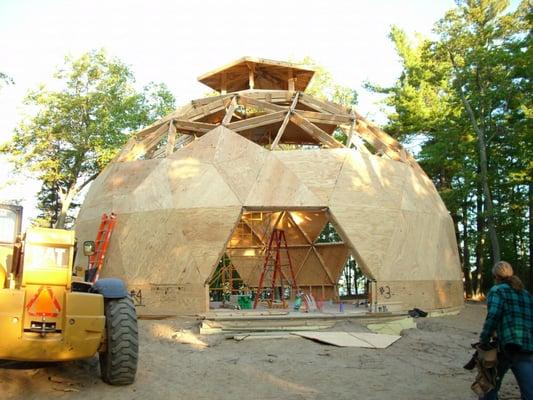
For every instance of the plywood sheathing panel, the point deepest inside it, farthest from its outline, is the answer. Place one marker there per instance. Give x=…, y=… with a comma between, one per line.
x=369, y=181
x=369, y=231
x=248, y=263
x=239, y=162
x=447, y=261
x=412, y=252
x=420, y=195
x=317, y=169
x=165, y=247
x=202, y=149
x=278, y=187
x=312, y=272
x=171, y=299
x=432, y=294
x=310, y=222
x=334, y=256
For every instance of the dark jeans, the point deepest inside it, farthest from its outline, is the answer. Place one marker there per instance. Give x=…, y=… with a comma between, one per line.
x=522, y=366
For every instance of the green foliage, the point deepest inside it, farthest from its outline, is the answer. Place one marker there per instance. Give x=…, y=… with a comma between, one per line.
x=323, y=86
x=5, y=80
x=462, y=94
x=72, y=133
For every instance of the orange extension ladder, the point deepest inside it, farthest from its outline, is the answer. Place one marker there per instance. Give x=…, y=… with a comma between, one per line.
x=96, y=260
x=276, y=244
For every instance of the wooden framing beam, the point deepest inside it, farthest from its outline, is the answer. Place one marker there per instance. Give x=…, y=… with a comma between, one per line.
x=230, y=111
x=322, y=105
x=190, y=126
x=251, y=75
x=290, y=81
x=136, y=148
x=250, y=101
x=223, y=83
x=323, y=264
x=350, y=133
x=328, y=119
x=171, y=140
x=315, y=132
x=271, y=96
x=255, y=122
x=285, y=122
x=207, y=109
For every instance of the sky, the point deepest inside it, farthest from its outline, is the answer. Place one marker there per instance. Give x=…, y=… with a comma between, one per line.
x=176, y=41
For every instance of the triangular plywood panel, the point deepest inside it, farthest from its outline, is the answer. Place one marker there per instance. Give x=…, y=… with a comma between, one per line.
x=248, y=264
x=312, y=272
x=317, y=169
x=239, y=162
x=369, y=231
x=311, y=222
x=277, y=186
x=420, y=195
x=334, y=256
x=194, y=184
x=293, y=234
x=369, y=181
x=202, y=149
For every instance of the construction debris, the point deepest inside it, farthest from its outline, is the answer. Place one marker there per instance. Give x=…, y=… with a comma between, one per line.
x=351, y=339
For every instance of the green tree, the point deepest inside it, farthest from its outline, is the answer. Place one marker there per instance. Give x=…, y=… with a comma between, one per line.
x=75, y=131
x=465, y=98
x=5, y=80
x=323, y=86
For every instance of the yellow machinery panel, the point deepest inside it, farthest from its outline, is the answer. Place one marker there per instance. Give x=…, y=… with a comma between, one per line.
x=83, y=321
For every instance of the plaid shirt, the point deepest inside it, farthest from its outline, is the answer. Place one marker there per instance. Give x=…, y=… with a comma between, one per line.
x=510, y=314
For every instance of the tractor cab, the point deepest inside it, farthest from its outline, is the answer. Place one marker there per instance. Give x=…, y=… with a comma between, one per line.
x=10, y=224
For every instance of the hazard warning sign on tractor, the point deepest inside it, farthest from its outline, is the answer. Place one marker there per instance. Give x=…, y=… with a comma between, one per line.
x=44, y=303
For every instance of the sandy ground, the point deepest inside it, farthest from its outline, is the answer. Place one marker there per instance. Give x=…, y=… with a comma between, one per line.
x=426, y=363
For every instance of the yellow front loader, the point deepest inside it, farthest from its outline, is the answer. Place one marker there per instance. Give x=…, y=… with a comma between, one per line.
x=46, y=314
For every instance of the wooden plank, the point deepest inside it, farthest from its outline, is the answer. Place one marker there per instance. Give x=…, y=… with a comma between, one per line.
x=323, y=264
x=351, y=339
x=285, y=122
x=375, y=141
x=189, y=126
x=207, y=109
x=352, y=127
x=171, y=141
x=256, y=122
x=139, y=148
x=250, y=101
x=322, y=105
x=271, y=96
x=230, y=111
x=328, y=119
x=315, y=132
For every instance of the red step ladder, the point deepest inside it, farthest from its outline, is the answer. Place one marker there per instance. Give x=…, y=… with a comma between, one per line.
x=96, y=261
x=276, y=245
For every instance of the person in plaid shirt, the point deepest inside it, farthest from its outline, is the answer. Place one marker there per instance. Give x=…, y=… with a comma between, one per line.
x=510, y=316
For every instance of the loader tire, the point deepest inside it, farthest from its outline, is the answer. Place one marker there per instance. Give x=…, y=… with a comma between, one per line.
x=118, y=363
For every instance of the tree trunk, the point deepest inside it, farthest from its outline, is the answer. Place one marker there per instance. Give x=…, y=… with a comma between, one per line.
x=466, y=254
x=66, y=201
x=480, y=260
x=483, y=170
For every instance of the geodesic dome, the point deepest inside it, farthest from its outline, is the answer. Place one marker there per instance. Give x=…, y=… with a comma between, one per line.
x=219, y=174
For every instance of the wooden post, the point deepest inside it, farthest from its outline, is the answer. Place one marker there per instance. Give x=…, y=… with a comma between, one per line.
x=171, y=140
x=223, y=83
x=291, y=81
x=251, y=75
